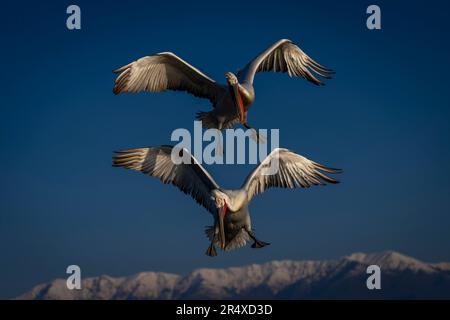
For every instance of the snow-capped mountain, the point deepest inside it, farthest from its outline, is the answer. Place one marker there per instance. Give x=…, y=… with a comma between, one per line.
x=401, y=277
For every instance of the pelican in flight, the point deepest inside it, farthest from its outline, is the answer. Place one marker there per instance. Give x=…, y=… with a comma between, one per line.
x=166, y=71
x=229, y=208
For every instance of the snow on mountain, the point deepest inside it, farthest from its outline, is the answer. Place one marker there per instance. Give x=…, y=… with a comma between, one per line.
x=402, y=277
x=391, y=260
x=144, y=285
x=249, y=281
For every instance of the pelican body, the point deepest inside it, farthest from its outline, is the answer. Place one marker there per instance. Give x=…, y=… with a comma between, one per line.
x=232, y=227
x=230, y=101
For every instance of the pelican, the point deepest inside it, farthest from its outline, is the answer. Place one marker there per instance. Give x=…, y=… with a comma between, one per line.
x=166, y=71
x=232, y=227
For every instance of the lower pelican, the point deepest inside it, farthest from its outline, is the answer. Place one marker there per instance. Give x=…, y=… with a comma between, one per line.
x=232, y=227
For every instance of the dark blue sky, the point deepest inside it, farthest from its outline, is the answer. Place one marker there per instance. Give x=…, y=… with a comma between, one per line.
x=383, y=119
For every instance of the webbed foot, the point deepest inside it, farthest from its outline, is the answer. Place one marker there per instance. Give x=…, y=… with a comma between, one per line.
x=259, y=244
x=211, y=251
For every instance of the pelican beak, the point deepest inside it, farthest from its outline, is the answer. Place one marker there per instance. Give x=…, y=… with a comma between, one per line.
x=239, y=104
x=222, y=215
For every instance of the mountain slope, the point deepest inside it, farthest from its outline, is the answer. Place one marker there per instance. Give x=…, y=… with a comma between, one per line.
x=401, y=277
x=144, y=285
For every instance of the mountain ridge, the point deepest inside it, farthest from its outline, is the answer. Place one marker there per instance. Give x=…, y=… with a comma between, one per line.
x=402, y=277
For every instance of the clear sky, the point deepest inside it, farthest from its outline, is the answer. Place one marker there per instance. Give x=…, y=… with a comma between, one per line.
x=384, y=119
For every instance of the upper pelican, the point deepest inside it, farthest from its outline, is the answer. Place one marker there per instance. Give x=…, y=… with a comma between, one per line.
x=166, y=71
x=232, y=227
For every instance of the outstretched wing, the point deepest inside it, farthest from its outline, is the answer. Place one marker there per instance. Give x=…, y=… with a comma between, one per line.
x=283, y=168
x=285, y=56
x=189, y=176
x=165, y=71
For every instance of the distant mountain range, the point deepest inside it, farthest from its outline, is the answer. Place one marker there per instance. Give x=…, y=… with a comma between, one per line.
x=402, y=277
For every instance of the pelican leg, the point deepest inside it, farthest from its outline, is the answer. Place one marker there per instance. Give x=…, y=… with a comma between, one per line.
x=258, y=243
x=211, y=251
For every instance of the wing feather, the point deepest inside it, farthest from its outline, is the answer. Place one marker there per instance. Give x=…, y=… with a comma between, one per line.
x=293, y=171
x=285, y=56
x=165, y=71
x=191, y=178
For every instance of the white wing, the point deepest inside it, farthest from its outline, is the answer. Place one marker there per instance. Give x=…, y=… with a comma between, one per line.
x=293, y=171
x=190, y=178
x=285, y=56
x=165, y=71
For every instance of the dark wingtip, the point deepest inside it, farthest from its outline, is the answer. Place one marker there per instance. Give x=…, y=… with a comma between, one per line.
x=336, y=171
x=328, y=71
x=327, y=168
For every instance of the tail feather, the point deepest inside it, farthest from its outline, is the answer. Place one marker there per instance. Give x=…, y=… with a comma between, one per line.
x=238, y=240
